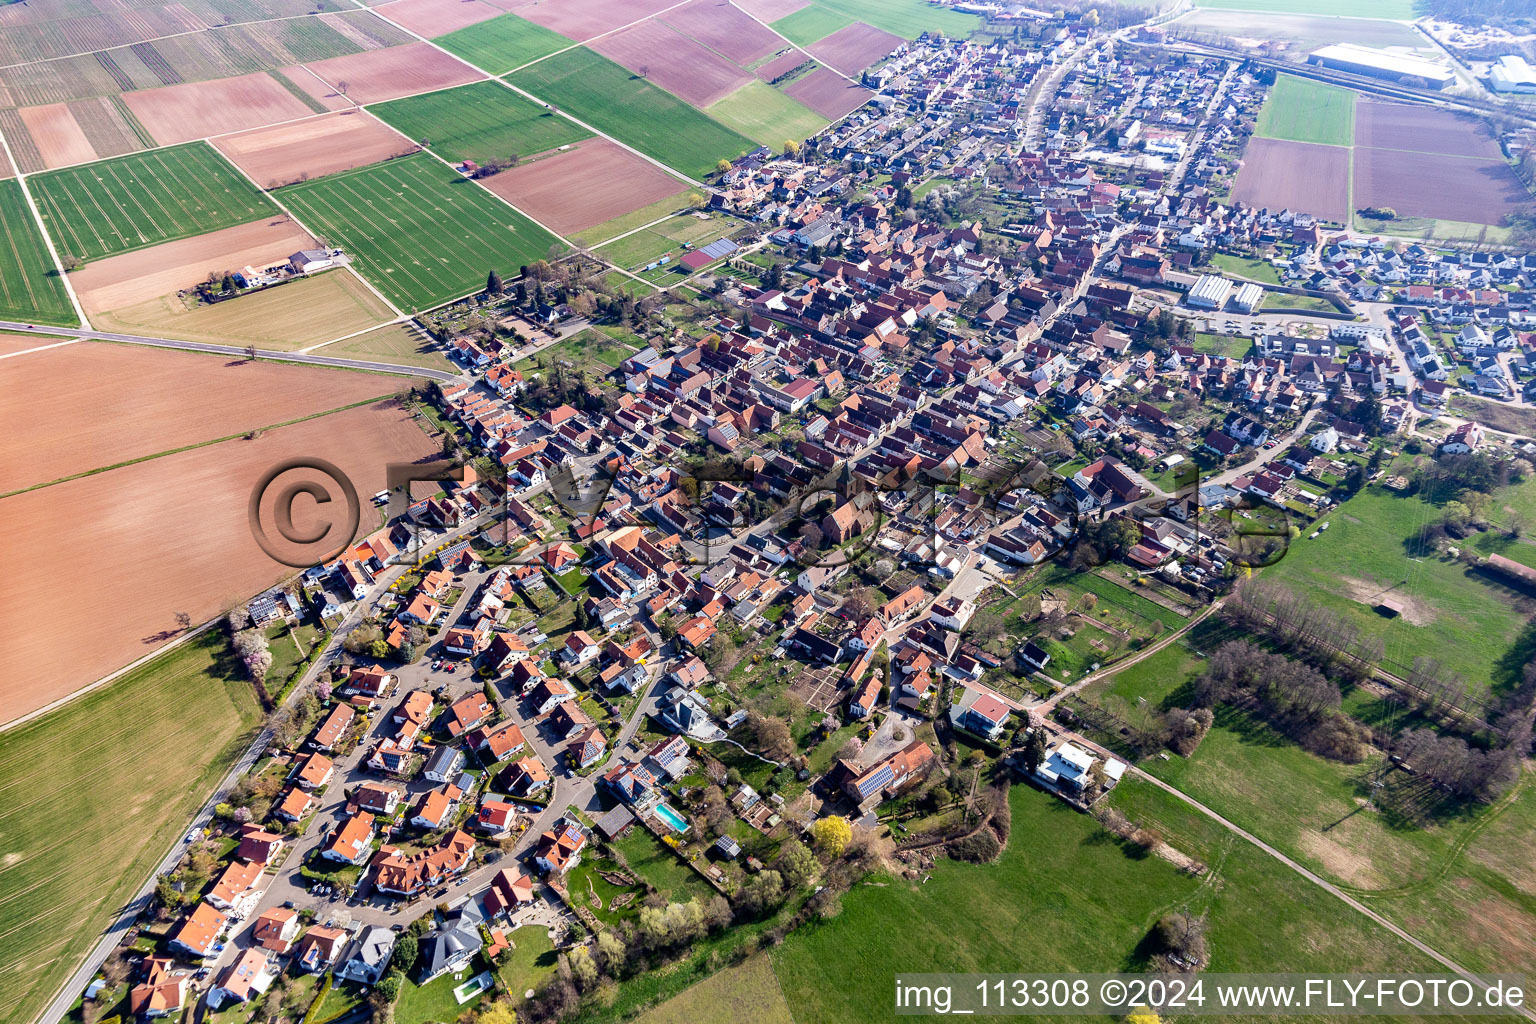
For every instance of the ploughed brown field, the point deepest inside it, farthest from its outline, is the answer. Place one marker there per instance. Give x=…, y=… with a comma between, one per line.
x=284, y=153
x=59, y=137
x=782, y=65
x=129, y=549
x=15, y=342
x=378, y=75
x=6, y=170
x=828, y=93
x=587, y=185
x=437, y=17
x=320, y=91
x=196, y=110
x=726, y=29
x=582, y=19
x=1422, y=129
x=771, y=10
x=674, y=62
x=95, y=404
x=1479, y=191
x=119, y=281
x=1301, y=176
x=854, y=48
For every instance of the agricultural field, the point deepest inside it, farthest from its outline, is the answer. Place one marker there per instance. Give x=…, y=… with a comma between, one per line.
x=503, y=44
x=1394, y=10
x=196, y=110
x=765, y=115
x=748, y=991
x=132, y=202
x=393, y=343
x=145, y=546
x=1282, y=175
x=725, y=29
x=31, y=286
x=633, y=111
x=305, y=312
x=828, y=93
x=590, y=184
x=1301, y=110
x=169, y=267
x=287, y=153
x=421, y=233
x=810, y=23
x=1298, y=34
x=906, y=18
x=435, y=17
x=854, y=48
x=482, y=122
x=631, y=221
x=133, y=775
x=379, y=75
x=1101, y=898
x=673, y=62
x=1458, y=616
x=583, y=19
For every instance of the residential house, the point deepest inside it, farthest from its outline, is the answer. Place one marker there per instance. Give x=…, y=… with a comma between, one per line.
x=351, y=840
x=248, y=977
x=368, y=957
x=276, y=929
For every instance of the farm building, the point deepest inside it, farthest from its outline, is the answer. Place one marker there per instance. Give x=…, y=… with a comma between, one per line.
x=1210, y=292
x=1248, y=298
x=1512, y=74
x=1385, y=64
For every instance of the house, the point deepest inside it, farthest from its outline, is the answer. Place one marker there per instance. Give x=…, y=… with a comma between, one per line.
x=368, y=957
x=244, y=980
x=351, y=841
x=236, y=888
x=199, y=931
x=863, y=703
x=696, y=633
x=161, y=991
x=399, y=874
x=986, y=715
x=370, y=681
x=377, y=798
x=276, y=929
x=509, y=890
x=587, y=748
x=453, y=944
x=496, y=744
x=333, y=728
x=313, y=772
x=435, y=807
x=292, y=804
x=1034, y=656
x=444, y=764
x=952, y=613
x=467, y=712
x=258, y=846
x=559, y=849
x=549, y=693
x=1070, y=768
x=495, y=817
x=579, y=648
x=886, y=776
x=1467, y=437
x=319, y=948
x=525, y=776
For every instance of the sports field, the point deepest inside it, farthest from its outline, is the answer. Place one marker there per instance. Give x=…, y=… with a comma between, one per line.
x=1398, y=10
x=1301, y=110
x=633, y=111
x=139, y=200
x=761, y=112
x=308, y=311
x=31, y=289
x=503, y=44
x=420, y=232
x=94, y=794
x=481, y=122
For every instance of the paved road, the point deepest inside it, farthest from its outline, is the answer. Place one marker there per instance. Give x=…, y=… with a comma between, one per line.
x=232, y=350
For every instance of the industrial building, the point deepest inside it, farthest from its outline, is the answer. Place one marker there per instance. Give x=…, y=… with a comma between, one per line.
x=1210, y=292
x=1248, y=298
x=1384, y=64
x=1512, y=74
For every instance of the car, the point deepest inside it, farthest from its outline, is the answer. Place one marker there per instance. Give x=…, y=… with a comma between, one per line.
x=437, y=664
x=288, y=904
x=450, y=668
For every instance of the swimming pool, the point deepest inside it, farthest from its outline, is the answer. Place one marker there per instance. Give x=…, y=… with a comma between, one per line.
x=671, y=817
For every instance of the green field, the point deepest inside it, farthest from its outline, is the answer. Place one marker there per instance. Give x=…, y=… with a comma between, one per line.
x=1095, y=901
x=748, y=991
x=482, y=122
x=1302, y=110
x=1453, y=614
x=761, y=112
x=1397, y=10
x=503, y=44
x=31, y=289
x=632, y=110
x=94, y=794
x=1300, y=32
x=810, y=23
x=420, y=232
x=130, y=202
x=1254, y=269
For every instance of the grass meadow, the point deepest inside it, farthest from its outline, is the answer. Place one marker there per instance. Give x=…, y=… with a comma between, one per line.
x=420, y=232
x=143, y=199
x=1396, y=10
x=632, y=110
x=811, y=23
x=763, y=114
x=1302, y=110
x=95, y=793
x=482, y=122
x=393, y=343
x=31, y=288
x=503, y=44
x=906, y=18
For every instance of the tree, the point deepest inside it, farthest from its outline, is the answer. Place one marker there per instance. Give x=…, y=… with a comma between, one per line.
x=772, y=735
x=723, y=167
x=407, y=950
x=791, y=148
x=389, y=987
x=1143, y=1015
x=1034, y=750
x=250, y=353
x=797, y=863
x=832, y=835
x=499, y=1012
x=493, y=283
